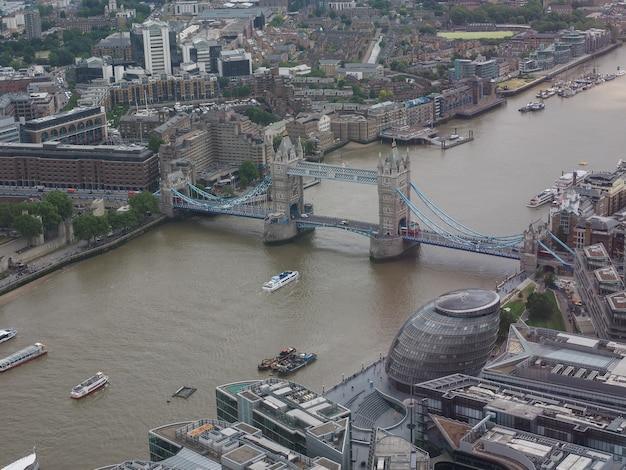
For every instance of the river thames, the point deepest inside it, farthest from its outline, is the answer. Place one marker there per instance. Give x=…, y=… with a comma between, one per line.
x=183, y=304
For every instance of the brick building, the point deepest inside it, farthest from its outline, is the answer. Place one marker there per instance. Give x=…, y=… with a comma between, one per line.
x=57, y=165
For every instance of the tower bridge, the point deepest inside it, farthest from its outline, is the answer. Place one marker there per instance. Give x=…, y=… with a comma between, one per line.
x=402, y=225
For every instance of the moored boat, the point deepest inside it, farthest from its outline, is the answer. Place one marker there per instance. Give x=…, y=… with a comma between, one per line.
x=89, y=386
x=22, y=356
x=295, y=362
x=30, y=462
x=279, y=280
x=568, y=180
x=545, y=196
x=271, y=361
x=7, y=334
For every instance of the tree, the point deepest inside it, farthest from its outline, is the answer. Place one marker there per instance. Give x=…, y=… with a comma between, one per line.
x=8, y=212
x=539, y=306
x=247, y=172
x=49, y=213
x=258, y=116
x=277, y=21
x=121, y=220
x=28, y=226
x=154, y=143
x=143, y=203
x=276, y=141
x=88, y=227
x=64, y=205
x=507, y=318
x=308, y=146
x=548, y=280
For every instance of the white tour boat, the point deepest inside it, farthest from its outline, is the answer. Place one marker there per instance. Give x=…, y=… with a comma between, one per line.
x=29, y=462
x=89, y=386
x=545, y=196
x=279, y=280
x=6, y=335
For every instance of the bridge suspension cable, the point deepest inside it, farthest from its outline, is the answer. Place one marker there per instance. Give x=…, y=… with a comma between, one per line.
x=463, y=236
x=458, y=226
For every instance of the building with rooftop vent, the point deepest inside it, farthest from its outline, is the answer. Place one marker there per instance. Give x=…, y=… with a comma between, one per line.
x=57, y=165
x=84, y=125
x=290, y=415
x=488, y=445
x=601, y=289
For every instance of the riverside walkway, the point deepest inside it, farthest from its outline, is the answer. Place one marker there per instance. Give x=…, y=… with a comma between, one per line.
x=25, y=272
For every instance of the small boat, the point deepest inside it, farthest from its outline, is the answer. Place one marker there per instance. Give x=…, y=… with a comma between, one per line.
x=89, y=386
x=620, y=72
x=6, y=335
x=545, y=196
x=536, y=106
x=29, y=462
x=281, y=356
x=295, y=362
x=279, y=280
x=22, y=356
x=582, y=163
x=454, y=137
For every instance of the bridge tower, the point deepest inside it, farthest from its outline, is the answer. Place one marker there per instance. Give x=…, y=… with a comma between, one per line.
x=394, y=174
x=287, y=193
x=528, y=256
x=172, y=179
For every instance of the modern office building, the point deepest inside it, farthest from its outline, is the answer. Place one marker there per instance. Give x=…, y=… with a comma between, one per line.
x=153, y=46
x=556, y=385
x=27, y=106
x=206, y=54
x=156, y=47
x=488, y=445
x=32, y=20
x=207, y=444
x=235, y=63
x=78, y=126
x=9, y=129
x=289, y=415
x=454, y=333
x=57, y=165
x=601, y=289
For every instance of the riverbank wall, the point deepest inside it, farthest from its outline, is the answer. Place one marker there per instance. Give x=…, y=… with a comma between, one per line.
x=60, y=257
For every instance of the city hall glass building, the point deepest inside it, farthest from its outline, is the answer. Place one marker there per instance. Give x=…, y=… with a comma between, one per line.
x=454, y=333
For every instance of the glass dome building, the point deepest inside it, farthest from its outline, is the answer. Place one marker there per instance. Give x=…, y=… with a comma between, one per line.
x=454, y=333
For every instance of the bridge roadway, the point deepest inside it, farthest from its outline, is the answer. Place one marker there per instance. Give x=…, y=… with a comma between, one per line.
x=368, y=229
x=202, y=207
x=484, y=246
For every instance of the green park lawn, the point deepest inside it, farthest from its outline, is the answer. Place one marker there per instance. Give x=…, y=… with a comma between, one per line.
x=517, y=304
x=470, y=35
x=555, y=321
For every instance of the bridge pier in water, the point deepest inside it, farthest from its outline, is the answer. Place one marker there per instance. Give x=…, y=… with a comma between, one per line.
x=394, y=175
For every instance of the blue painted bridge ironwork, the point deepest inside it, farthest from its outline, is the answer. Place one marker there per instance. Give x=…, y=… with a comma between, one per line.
x=432, y=226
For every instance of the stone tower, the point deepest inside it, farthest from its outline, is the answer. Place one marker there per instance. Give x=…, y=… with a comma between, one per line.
x=287, y=194
x=286, y=189
x=393, y=174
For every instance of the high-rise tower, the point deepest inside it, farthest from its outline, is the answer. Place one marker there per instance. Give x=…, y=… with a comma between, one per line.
x=156, y=48
x=32, y=20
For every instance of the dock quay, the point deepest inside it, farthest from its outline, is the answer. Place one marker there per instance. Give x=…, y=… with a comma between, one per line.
x=470, y=112
x=410, y=134
x=449, y=142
